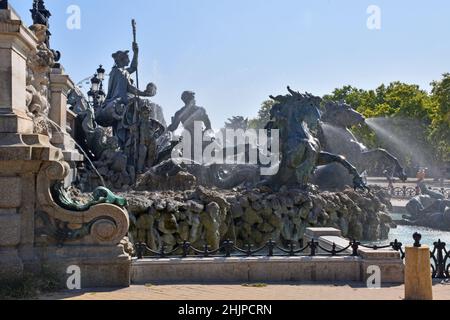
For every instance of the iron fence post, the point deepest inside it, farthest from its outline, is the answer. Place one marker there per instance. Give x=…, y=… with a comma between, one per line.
x=440, y=260
x=186, y=248
x=249, y=250
x=397, y=246
x=162, y=252
x=292, y=249
x=206, y=250
x=333, y=250
x=271, y=246
x=313, y=247
x=139, y=250
x=228, y=248
x=355, y=248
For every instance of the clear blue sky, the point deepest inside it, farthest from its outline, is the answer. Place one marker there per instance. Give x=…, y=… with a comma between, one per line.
x=235, y=53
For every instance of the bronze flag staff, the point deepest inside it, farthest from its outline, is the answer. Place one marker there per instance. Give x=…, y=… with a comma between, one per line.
x=134, y=128
x=133, y=24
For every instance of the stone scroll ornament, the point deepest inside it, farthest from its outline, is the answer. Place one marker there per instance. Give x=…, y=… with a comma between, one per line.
x=103, y=221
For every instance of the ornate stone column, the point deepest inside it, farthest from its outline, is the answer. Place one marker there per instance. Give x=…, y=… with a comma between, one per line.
x=60, y=84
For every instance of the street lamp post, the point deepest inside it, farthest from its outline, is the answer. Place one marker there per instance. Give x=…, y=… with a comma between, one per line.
x=96, y=94
x=101, y=73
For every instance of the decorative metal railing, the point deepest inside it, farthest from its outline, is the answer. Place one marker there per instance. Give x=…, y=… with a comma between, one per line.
x=410, y=192
x=440, y=257
x=229, y=249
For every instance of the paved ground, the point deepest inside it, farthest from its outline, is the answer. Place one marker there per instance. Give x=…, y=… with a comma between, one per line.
x=241, y=292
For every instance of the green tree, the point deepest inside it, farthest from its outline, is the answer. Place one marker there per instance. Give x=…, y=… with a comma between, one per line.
x=440, y=117
x=237, y=122
x=414, y=116
x=263, y=115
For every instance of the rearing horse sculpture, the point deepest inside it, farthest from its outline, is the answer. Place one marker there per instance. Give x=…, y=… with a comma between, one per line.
x=297, y=117
x=335, y=137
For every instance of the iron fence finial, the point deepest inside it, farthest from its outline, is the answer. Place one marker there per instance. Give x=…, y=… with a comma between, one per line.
x=417, y=238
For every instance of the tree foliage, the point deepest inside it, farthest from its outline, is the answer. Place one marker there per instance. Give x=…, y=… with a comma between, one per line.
x=420, y=117
x=440, y=117
x=263, y=115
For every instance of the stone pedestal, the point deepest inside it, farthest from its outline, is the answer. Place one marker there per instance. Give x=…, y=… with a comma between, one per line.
x=107, y=267
x=19, y=167
x=418, y=278
x=316, y=233
x=34, y=229
x=60, y=84
x=16, y=43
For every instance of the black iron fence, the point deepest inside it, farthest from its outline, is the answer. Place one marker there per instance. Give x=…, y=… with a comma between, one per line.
x=229, y=249
x=410, y=192
x=440, y=256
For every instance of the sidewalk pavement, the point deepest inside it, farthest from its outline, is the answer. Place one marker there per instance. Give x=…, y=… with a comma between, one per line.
x=247, y=292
